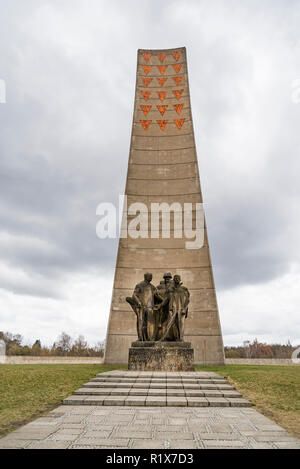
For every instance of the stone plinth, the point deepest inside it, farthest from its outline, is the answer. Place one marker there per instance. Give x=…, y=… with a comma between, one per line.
x=161, y=356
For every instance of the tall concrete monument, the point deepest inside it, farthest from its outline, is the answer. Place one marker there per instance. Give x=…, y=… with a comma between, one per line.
x=162, y=169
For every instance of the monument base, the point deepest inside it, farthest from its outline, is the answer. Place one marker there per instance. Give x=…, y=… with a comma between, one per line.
x=161, y=356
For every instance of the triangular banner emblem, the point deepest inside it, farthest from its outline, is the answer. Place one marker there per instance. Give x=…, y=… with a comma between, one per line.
x=161, y=95
x=146, y=68
x=146, y=56
x=162, y=109
x=177, y=80
x=161, y=81
x=177, y=93
x=145, y=109
x=145, y=94
x=176, y=55
x=146, y=81
x=178, y=108
x=161, y=57
x=179, y=122
x=145, y=124
x=162, y=124
x=177, y=67
x=162, y=68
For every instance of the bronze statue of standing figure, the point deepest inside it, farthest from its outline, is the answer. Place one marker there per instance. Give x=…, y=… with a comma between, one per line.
x=161, y=311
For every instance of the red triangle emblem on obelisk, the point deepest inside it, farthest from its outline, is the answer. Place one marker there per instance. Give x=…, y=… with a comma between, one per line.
x=162, y=108
x=177, y=80
x=177, y=67
x=161, y=81
x=145, y=94
x=145, y=124
x=145, y=109
x=146, y=81
x=162, y=68
x=162, y=124
x=161, y=57
x=178, y=108
x=146, y=56
x=146, y=68
x=161, y=94
x=179, y=122
x=176, y=55
x=177, y=93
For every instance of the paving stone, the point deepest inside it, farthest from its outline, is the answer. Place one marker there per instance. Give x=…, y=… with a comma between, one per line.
x=49, y=445
x=226, y=393
x=71, y=399
x=113, y=442
x=171, y=428
x=200, y=428
x=218, y=436
x=63, y=437
x=197, y=402
x=135, y=400
x=275, y=438
x=177, y=421
x=210, y=393
x=69, y=431
x=194, y=393
x=73, y=419
x=261, y=446
x=27, y=434
x=94, y=400
x=142, y=422
x=133, y=434
x=156, y=401
x=97, y=434
x=218, y=402
x=141, y=386
x=120, y=392
x=236, y=402
x=287, y=445
x=138, y=392
x=214, y=444
x=148, y=444
x=220, y=428
x=185, y=444
x=175, y=436
x=157, y=392
x=176, y=401
x=176, y=392
x=11, y=443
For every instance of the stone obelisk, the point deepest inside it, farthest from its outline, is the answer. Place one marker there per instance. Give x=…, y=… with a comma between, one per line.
x=163, y=167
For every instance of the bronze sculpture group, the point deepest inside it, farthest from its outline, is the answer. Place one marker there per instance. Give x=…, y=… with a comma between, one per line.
x=161, y=311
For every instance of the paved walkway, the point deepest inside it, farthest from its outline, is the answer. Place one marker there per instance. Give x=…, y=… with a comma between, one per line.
x=178, y=420
x=153, y=427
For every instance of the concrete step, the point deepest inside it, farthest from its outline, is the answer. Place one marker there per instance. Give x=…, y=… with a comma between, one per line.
x=163, y=385
x=158, y=389
x=159, y=381
x=144, y=392
x=162, y=401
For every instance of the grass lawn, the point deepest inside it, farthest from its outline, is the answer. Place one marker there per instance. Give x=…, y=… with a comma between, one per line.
x=29, y=391
x=274, y=390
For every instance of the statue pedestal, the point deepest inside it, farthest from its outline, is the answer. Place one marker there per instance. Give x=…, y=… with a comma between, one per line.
x=161, y=356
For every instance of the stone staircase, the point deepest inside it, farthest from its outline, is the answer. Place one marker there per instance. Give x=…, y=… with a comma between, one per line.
x=140, y=388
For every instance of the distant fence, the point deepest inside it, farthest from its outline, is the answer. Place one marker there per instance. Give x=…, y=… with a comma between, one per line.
x=260, y=361
x=29, y=360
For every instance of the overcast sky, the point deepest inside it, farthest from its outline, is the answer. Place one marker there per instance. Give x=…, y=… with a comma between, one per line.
x=69, y=68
